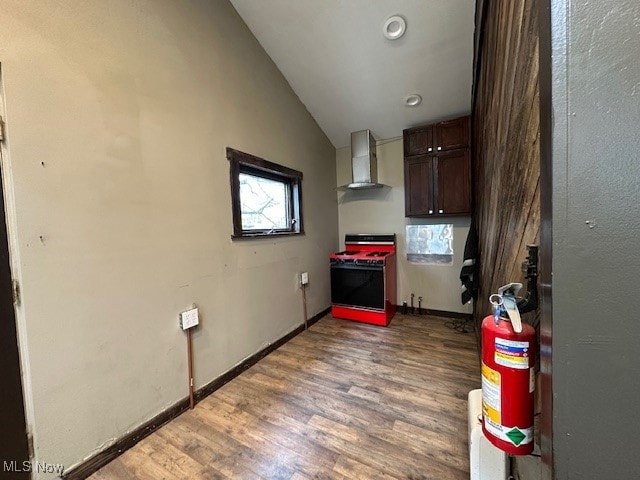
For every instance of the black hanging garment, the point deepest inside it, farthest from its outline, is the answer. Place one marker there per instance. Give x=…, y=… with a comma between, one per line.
x=469, y=271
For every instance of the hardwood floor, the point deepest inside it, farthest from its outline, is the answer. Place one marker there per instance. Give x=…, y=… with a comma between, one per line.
x=342, y=400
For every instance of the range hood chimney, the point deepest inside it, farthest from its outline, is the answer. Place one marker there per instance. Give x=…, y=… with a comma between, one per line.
x=364, y=162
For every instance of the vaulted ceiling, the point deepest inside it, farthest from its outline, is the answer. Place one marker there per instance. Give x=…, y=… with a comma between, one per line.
x=350, y=77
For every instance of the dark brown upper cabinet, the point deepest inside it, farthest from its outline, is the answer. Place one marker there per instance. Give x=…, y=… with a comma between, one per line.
x=452, y=134
x=418, y=185
x=418, y=141
x=438, y=137
x=437, y=169
x=453, y=183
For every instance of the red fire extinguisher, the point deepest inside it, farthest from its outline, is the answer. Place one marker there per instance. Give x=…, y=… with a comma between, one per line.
x=508, y=377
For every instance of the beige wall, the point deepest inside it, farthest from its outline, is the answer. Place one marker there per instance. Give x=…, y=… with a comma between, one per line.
x=382, y=211
x=118, y=116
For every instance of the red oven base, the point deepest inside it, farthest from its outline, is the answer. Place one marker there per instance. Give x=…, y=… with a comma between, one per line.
x=364, y=316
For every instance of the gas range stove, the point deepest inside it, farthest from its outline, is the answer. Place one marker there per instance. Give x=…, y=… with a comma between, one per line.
x=363, y=279
x=359, y=257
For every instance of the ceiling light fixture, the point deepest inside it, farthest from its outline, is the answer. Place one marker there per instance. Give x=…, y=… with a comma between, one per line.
x=394, y=27
x=413, y=100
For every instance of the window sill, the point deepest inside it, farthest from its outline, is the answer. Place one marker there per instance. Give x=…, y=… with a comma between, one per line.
x=245, y=236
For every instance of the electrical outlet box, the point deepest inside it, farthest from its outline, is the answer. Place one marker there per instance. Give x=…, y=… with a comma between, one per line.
x=189, y=319
x=304, y=278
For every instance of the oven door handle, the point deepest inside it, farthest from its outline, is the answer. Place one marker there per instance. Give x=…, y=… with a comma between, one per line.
x=352, y=266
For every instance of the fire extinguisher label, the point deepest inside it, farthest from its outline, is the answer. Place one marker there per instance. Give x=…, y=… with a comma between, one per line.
x=492, y=410
x=512, y=354
x=517, y=436
x=491, y=395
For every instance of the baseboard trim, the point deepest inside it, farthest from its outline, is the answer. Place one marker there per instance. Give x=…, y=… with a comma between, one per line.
x=99, y=460
x=438, y=313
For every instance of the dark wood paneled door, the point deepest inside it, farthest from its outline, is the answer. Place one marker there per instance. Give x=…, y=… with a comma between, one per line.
x=452, y=134
x=13, y=434
x=418, y=193
x=418, y=141
x=453, y=183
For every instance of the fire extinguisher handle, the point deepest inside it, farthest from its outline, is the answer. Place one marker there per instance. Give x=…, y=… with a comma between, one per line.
x=510, y=304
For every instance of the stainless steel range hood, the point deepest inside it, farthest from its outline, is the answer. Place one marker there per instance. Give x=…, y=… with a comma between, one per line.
x=364, y=162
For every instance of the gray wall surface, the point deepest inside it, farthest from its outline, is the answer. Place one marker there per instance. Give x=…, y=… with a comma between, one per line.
x=596, y=227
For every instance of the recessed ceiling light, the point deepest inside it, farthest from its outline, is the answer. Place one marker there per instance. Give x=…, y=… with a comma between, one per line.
x=394, y=27
x=413, y=100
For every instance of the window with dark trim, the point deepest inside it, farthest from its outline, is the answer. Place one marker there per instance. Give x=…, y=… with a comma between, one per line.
x=266, y=198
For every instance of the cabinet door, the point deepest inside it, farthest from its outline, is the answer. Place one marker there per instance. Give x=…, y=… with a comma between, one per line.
x=418, y=141
x=452, y=134
x=418, y=186
x=453, y=183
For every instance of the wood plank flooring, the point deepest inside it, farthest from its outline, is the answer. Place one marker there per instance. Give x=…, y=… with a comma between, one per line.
x=342, y=400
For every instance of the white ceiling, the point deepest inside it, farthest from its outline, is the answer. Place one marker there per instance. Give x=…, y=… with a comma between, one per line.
x=351, y=78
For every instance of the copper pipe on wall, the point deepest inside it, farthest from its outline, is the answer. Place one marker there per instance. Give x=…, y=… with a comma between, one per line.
x=190, y=363
x=304, y=304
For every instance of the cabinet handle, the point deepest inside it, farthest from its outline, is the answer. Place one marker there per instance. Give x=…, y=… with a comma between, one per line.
x=440, y=211
x=430, y=212
x=430, y=149
x=439, y=148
